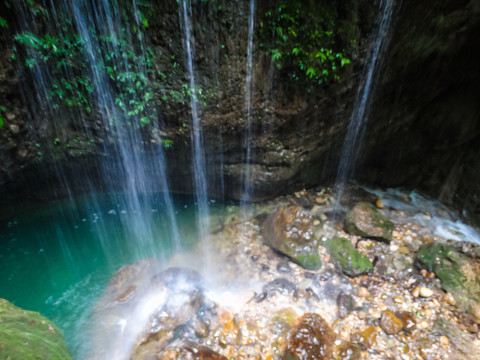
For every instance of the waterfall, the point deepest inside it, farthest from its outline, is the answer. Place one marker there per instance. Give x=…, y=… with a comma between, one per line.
x=197, y=143
x=356, y=129
x=247, y=185
x=129, y=161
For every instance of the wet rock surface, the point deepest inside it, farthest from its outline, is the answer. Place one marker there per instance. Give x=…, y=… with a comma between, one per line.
x=253, y=308
x=289, y=230
x=365, y=220
x=311, y=339
x=29, y=335
x=347, y=258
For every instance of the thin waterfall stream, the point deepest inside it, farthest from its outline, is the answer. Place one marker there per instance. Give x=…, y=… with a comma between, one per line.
x=248, y=140
x=352, y=144
x=198, y=152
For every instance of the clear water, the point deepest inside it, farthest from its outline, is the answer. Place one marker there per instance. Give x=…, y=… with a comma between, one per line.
x=58, y=258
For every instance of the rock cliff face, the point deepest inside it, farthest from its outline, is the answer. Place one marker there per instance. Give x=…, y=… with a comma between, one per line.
x=422, y=128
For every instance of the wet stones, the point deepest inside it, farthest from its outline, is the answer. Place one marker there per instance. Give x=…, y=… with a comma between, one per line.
x=311, y=339
x=365, y=220
x=191, y=351
x=346, y=257
x=29, y=335
x=390, y=323
x=279, y=285
x=460, y=274
x=289, y=231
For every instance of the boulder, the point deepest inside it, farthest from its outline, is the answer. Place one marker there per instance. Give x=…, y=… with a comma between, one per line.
x=144, y=309
x=289, y=231
x=459, y=272
x=182, y=297
x=344, y=255
x=29, y=335
x=365, y=220
x=311, y=339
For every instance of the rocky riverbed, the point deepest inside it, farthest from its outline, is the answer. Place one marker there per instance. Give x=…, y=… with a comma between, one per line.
x=288, y=281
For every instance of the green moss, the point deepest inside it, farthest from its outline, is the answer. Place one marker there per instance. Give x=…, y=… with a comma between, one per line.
x=310, y=261
x=445, y=262
x=29, y=335
x=365, y=220
x=345, y=256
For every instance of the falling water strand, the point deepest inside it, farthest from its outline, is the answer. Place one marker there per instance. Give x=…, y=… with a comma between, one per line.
x=100, y=34
x=198, y=153
x=356, y=128
x=247, y=181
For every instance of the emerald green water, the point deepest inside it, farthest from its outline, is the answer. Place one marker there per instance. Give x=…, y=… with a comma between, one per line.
x=57, y=259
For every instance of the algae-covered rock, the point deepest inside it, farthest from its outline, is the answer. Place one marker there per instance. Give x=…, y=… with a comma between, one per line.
x=365, y=220
x=29, y=335
x=445, y=262
x=345, y=256
x=289, y=231
x=311, y=339
x=460, y=274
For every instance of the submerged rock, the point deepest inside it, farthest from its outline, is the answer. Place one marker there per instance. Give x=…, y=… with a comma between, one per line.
x=289, y=231
x=311, y=339
x=365, y=220
x=29, y=335
x=347, y=258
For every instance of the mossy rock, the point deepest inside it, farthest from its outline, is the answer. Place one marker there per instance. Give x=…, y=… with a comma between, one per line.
x=345, y=256
x=365, y=220
x=289, y=230
x=310, y=260
x=26, y=335
x=460, y=274
x=445, y=262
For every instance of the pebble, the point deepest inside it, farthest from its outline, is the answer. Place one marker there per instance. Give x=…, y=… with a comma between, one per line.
x=449, y=299
x=403, y=250
x=379, y=203
x=396, y=235
x=425, y=292
x=444, y=341
x=398, y=299
x=363, y=292
x=305, y=283
x=319, y=200
x=316, y=222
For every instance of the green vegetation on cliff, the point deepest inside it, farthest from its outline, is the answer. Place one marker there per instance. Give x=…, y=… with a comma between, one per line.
x=304, y=41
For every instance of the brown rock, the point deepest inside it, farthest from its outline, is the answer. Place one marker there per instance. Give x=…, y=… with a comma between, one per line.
x=390, y=323
x=312, y=339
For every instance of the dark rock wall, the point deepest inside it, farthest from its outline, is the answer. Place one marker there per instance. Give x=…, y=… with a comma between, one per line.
x=423, y=129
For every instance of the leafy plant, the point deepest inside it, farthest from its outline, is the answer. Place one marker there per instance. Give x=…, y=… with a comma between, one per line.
x=3, y=110
x=303, y=41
